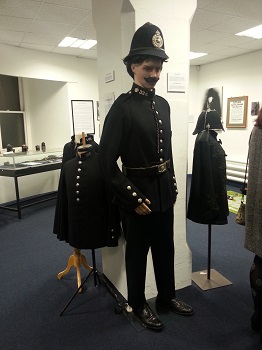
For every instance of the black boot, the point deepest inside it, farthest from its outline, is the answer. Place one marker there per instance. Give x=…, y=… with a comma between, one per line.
x=175, y=305
x=147, y=318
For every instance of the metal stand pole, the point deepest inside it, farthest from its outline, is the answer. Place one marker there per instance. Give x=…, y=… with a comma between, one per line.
x=209, y=252
x=203, y=278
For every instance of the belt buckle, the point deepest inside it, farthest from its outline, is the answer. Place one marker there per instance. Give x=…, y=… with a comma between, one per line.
x=161, y=168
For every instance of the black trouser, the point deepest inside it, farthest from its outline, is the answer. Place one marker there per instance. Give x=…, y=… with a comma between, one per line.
x=256, y=283
x=142, y=232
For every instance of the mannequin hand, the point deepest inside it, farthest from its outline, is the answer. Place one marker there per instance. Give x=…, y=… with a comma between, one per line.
x=143, y=209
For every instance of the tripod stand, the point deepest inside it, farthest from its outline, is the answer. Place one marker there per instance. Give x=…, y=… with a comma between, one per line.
x=98, y=277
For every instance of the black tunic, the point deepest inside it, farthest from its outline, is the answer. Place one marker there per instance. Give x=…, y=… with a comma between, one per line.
x=208, y=196
x=140, y=139
x=85, y=211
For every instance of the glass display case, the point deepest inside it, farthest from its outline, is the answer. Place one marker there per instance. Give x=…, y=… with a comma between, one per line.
x=29, y=159
x=17, y=164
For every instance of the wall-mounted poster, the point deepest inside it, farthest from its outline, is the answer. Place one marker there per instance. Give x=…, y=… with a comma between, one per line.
x=83, y=116
x=254, y=108
x=237, y=112
x=213, y=100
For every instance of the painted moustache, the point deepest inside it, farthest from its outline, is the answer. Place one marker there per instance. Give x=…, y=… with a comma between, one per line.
x=151, y=80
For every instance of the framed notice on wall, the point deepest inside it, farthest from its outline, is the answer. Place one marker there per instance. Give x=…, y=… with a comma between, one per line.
x=83, y=116
x=237, y=112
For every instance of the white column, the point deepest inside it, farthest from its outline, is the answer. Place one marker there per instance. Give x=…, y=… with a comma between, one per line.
x=116, y=22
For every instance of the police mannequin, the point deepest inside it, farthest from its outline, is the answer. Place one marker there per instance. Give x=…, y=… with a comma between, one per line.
x=137, y=129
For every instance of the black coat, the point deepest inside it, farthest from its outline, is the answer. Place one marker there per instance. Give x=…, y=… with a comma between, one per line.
x=141, y=139
x=70, y=148
x=85, y=214
x=208, y=196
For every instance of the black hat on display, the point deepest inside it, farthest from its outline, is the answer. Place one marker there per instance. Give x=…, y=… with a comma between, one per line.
x=147, y=40
x=208, y=121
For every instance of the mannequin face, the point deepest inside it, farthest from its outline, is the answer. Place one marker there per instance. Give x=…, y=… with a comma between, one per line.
x=151, y=69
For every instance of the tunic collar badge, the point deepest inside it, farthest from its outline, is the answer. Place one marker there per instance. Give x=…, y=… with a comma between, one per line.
x=138, y=90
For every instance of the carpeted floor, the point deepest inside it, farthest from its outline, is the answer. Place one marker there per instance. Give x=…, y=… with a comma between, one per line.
x=32, y=297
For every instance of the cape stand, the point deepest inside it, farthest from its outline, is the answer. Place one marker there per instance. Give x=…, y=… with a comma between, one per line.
x=77, y=259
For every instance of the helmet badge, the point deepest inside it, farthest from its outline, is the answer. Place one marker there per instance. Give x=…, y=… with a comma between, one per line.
x=157, y=40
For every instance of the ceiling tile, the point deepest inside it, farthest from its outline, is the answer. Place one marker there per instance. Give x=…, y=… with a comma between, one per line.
x=45, y=27
x=206, y=19
x=83, y=33
x=42, y=24
x=61, y=14
x=81, y=4
x=17, y=8
x=14, y=23
x=46, y=48
x=34, y=38
x=235, y=25
x=10, y=36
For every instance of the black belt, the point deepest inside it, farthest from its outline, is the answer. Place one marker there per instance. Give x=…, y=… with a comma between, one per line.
x=148, y=171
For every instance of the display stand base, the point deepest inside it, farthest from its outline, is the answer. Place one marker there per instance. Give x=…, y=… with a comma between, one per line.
x=76, y=260
x=216, y=280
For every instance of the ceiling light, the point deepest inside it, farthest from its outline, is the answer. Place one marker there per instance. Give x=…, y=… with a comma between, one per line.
x=74, y=42
x=255, y=32
x=88, y=44
x=78, y=43
x=193, y=55
x=67, y=41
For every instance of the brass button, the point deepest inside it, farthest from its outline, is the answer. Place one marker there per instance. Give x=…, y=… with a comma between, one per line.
x=161, y=150
x=78, y=177
x=78, y=199
x=134, y=194
x=160, y=121
x=77, y=184
x=129, y=188
x=79, y=170
x=161, y=160
x=140, y=200
x=80, y=162
x=77, y=192
x=161, y=141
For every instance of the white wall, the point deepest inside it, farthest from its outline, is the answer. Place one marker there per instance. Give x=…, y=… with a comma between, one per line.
x=50, y=82
x=47, y=114
x=239, y=76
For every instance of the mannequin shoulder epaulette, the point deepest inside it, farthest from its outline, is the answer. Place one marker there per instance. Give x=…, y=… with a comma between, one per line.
x=123, y=97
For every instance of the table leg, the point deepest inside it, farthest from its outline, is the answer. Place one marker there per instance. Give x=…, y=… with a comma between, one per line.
x=17, y=198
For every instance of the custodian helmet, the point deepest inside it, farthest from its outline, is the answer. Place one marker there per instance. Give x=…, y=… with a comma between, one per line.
x=147, y=40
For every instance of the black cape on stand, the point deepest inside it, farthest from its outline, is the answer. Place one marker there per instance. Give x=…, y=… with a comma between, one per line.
x=86, y=218
x=208, y=196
